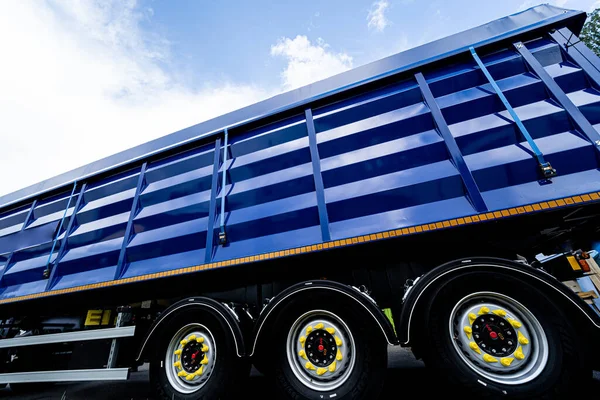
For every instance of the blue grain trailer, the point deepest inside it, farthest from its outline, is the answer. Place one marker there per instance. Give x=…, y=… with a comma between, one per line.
x=425, y=183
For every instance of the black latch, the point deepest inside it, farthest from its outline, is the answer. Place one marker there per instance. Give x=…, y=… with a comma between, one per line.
x=222, y=238
x=547, y=170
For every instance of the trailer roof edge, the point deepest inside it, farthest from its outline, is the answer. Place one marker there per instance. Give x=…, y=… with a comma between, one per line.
x=533, y=19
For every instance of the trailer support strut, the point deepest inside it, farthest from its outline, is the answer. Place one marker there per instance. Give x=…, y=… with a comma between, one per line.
x=210, y=229
x=27, y=221
x=135, y=207
x=46, y=273
x=63, y=245
x=319, y=186
x=451, y=145
x=579, y=120
x=222, y=233
x=579, y=53
x=545, y=167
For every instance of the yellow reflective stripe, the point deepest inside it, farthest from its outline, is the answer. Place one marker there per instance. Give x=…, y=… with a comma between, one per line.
x=530, y=208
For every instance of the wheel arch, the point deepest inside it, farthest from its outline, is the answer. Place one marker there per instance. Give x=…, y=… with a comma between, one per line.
x=269, y=314
x=426, y=287
x=205, y=304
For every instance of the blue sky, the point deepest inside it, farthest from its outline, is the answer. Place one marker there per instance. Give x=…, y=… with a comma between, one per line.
x=83, y=79
x=211, y=39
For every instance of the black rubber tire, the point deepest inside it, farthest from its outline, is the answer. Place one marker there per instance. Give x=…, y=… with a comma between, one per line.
x=229, y=374
x=25, y=388
x=262, y=366
x=565, y=372
x=365, y=382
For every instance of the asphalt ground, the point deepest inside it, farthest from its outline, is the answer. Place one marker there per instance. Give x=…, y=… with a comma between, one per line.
x=404, y=374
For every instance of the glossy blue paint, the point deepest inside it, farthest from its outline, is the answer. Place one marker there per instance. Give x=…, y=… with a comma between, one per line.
x=318, y=178
x=533, y=19
x=332, y=160
x=455, y=154
x=536, y=151
x=69, y=230
x=60, y=225
x=222, y=237
x=27, y=221
x=579, y=53
x=580, y=121
x=29, y=217
x=34, y=233
x=213, y=202
x=135, y=206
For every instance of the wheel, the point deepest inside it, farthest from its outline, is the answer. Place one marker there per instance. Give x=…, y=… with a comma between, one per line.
x=325, y=350
x=194, y=358
x=498, y=336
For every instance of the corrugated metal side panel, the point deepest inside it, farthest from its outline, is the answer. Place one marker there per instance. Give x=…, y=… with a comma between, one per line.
x=384, y=163
x=531, y=19
x=27, y=243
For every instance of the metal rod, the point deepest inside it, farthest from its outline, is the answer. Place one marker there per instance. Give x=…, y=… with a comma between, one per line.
x=222, y=236
x=29, y=216
x=113, y=354
x=319, y=186
x=76, y=375
x=23, y=227
x=467, y=178
x=511, y=111
x=47, y=270
x=210, y=229
x=68, y=231
x=8, y=261
x=579, y=54
x=579, y=120
x=80, y=336
x=129, y=228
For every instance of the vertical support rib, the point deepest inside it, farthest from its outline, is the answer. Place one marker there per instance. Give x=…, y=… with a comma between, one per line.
x=453, y=149
x=27, y=221
x=68, y=231
x=579, y=120
x=222, y=234
x=579, y=52
x=129, y=229
x=210, y=230
x=29, y=216
x=545, y=167
x=46, y=273
x=8, y=261
x=319, y=187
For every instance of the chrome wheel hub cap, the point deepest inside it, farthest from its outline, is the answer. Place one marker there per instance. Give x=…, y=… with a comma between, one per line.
x=498, y=338
x=190, y=358
x=321, y=350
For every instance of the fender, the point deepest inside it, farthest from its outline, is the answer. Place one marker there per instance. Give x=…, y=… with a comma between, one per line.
x=202, y=303
x=352, y=294
x=418, y=293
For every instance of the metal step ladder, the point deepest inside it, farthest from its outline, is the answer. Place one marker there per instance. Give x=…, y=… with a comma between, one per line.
x=110, y=373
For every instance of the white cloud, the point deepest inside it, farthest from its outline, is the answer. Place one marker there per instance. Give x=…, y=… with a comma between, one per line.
x=307, y=62
x=376, y=18
x=80, y=81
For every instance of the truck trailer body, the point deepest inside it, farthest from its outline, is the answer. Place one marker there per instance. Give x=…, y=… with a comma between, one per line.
x=428, y=183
